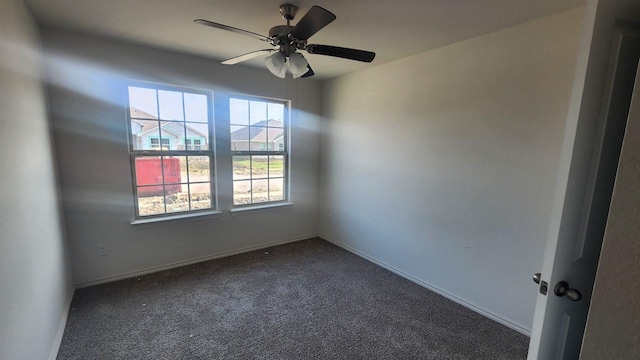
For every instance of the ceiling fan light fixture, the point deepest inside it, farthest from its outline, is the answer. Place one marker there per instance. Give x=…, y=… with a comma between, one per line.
x=276, y=64
x=297, y=64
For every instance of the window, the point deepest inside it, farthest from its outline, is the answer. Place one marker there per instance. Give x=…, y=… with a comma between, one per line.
x=258, y=127
x=154, y=143
x=171, y=155
x=193, y=144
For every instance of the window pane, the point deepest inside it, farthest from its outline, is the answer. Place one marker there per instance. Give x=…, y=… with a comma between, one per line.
x=198, y=169
x=276, y=187
x=275, y=124
x=276, y=112
x=149, y=203
x=276, y=166
x=258, y=138
x=241, y=192
x=275, y=136
x=239, y=111
x=170, y=105
x=149, y=171
x=241, y=168
x=258, y=113
x=177, y=197
x=174, y=169
x=260, y=190
x=195, y=107
x=259, y=166
x=199, y=136
x=141, y=133
x=172, y=135
x=239, y=138
x=143, y=103
x=200, y=196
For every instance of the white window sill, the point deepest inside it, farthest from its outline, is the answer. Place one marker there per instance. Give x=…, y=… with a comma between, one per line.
x=260, y=207
x=160, y=219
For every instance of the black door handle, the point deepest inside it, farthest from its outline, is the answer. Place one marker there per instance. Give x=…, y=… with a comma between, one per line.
x=562, y=289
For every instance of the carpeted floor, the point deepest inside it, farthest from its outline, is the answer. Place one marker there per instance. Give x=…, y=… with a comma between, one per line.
x=305, y=300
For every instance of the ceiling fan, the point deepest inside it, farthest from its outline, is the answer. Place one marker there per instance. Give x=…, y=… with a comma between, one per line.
x=288, y=39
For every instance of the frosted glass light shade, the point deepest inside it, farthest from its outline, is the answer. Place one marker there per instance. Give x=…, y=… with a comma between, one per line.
x=276, y=64
x=297, y=65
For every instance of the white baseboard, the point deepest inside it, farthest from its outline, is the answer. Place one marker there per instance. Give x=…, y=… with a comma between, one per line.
x=57, y=340
x=424, y=284
x=174, y=265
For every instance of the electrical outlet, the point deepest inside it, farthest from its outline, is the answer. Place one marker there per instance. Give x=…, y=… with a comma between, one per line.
x=102, y=250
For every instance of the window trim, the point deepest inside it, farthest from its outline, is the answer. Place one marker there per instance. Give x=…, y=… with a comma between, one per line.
x=192, y=215
x=274, y=205
x=286, y=153
x=209, y=151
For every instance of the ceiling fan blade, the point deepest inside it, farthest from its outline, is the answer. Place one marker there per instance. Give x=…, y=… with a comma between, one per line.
x=247, y=56
x=309, y=73
x=345, y=53
x=314, y=20
x=232, y=29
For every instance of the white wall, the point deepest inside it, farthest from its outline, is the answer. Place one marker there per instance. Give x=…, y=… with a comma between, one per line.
x=35, y=276
x=87, y=75
x=443, y=165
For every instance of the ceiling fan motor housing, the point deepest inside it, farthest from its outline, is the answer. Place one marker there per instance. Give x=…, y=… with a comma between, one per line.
x=280, y=34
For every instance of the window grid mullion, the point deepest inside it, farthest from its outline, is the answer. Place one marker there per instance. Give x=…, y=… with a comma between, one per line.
x=164, y=188
x=132, y=159
x=159, y=121
x=186, y=158
x=251, y=176
x=189, y=191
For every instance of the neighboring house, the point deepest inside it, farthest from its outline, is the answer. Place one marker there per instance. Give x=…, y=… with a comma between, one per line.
x=146, y=136
x=263, y=135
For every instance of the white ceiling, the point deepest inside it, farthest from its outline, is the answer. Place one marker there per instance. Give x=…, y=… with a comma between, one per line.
x=392, y=29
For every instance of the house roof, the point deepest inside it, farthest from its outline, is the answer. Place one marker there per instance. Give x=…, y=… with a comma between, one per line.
x=138, y=116
x=258, y=132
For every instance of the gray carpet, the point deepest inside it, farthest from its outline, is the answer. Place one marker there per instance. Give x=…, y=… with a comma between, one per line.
x=305, y=300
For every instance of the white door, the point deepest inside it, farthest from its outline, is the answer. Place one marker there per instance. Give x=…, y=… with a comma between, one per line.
x=585, y=182
x=614, y=315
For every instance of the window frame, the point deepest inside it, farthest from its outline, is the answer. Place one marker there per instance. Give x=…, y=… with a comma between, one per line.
x=285, y=152
x=205, y=151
